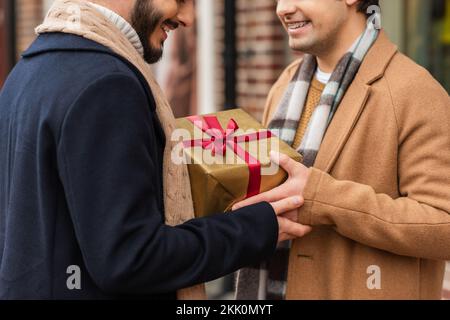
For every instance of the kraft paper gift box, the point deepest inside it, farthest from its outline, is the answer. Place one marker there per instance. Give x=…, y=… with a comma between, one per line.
x=228, y=156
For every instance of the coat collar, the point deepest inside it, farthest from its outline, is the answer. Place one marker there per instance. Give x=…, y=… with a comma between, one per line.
x=56, y=41
x=372, y=69
x=377, y=59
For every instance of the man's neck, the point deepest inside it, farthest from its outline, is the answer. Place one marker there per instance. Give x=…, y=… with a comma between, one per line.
x=328, y=61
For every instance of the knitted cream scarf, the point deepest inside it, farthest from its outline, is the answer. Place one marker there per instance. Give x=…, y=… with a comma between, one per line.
x=122, y=25
x=79, y=18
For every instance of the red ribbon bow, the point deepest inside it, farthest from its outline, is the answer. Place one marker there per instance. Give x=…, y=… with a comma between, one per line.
x=219, y=139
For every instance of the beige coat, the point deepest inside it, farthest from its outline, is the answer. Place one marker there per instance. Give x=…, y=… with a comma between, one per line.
x=379, y=193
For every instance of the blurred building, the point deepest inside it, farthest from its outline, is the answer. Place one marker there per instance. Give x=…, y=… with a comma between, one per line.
x=242, y=49
x=239, y=49
x=249, y=32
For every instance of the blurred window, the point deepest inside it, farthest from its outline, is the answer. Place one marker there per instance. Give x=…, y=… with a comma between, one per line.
x=428, y=36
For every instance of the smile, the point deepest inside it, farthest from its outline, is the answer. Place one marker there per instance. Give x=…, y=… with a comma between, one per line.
x=168, y=26
x=294, y=26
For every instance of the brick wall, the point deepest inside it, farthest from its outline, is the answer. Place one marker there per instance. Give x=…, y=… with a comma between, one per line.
x=261, y=49
x=262, y=54
x=29, y=15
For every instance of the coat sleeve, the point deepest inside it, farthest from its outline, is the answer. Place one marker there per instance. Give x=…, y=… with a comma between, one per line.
x=108, y=168
x=417, y=223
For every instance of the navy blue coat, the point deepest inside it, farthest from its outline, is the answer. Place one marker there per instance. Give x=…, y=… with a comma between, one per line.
x=81, y=185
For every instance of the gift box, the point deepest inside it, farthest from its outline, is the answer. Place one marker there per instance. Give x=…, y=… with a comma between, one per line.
x=228, y=157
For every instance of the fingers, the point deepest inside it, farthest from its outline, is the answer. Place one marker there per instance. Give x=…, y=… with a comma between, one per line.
x=284, y=237
x=253, y=200
x=280, y=207
x=288, y=164
x=291, y=230
x=291, y=215
x=295, y=229
x=288, y=204
x=269, y=196
x=292, y=168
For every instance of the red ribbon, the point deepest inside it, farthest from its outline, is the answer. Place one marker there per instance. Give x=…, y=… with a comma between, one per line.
x=219, y=139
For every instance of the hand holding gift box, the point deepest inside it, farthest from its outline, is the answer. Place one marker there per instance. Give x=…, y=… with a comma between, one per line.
x=228, y=159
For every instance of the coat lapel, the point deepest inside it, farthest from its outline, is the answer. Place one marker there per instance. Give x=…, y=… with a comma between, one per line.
x=354, y=102
x=342, y=125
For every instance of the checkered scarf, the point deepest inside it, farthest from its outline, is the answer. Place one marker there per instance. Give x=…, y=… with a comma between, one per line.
x=268, y=280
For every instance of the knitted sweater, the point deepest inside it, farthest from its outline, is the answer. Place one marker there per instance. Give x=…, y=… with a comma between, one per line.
x=313, y=99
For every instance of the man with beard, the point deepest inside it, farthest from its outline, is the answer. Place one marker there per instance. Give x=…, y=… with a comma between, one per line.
x=91, y=205
x=373, y=127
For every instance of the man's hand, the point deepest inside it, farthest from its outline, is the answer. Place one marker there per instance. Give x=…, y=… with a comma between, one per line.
x=285, y=199
x=294, y=185
x=286, y=210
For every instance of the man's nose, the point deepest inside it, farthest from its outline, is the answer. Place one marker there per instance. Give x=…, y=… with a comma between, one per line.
x=285, y=7
x=186, y=15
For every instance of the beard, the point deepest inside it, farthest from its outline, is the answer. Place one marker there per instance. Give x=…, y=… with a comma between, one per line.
x=145, y=19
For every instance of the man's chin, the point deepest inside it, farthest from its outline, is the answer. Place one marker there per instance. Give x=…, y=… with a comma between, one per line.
x=153, y=55
x=303, y=46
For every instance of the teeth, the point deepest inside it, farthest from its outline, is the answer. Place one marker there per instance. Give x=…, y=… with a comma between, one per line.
x=297, y=25
x=165, y=28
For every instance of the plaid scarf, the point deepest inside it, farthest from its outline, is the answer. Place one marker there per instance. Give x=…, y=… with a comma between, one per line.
x=268, y=280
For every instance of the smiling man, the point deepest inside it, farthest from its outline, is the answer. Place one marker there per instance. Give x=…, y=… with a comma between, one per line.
x=373, y=128
x=91, y=206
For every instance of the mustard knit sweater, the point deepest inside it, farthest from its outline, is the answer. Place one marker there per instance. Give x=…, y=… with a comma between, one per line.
x=313, y=99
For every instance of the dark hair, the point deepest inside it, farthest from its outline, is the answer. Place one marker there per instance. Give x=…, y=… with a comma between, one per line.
x=363, y=5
